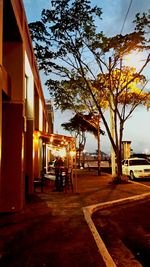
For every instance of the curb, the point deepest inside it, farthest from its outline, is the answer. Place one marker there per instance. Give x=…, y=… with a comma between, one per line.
x=133, y=182
x=89, y=210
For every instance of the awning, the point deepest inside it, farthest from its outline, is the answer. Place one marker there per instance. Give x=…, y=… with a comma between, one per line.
x=56, y=139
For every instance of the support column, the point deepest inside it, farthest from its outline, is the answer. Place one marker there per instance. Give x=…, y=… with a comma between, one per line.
x=29, y=158
x=29, y=115
x=0, y=126
x=1, y=31
x=12, y=184
x=1, y=53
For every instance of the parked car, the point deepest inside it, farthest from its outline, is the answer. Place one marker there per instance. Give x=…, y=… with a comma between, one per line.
x=140, y=155
x=136, y=168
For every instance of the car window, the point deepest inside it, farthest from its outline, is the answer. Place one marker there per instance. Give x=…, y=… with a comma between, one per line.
x=124, y=162
x=138, y=162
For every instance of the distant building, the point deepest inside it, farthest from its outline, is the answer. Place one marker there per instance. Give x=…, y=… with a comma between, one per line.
x=50, y=112
x=126, y=149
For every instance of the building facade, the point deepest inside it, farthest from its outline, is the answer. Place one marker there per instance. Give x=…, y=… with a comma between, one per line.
x=126, y=149
x=23, y=110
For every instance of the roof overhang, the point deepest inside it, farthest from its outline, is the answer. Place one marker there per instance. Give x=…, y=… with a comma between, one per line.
x=56, y=139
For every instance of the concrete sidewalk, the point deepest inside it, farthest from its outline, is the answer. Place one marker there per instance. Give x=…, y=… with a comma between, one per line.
x=51, y=230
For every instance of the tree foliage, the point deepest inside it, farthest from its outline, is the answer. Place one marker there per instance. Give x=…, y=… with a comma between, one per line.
x=142, y=22
x=75, y=55
x=85, y=123
x=82, y=123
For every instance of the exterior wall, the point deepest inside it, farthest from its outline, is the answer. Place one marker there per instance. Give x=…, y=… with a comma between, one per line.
x=36, y=111
x=13, y=52
x=22, y=109
x=40, y=116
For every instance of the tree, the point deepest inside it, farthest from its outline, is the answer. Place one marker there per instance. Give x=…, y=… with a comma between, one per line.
x=76, y=97
x=69, y=48
x=142, y=22
x=82, y=123
x=123, y=97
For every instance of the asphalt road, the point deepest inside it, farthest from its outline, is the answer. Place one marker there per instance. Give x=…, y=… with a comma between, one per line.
x=144, y=182
x=126, y=232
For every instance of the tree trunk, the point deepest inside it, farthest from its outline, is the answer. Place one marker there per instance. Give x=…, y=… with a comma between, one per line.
x=119, y=155
x=99, y=151
x=118, y=176
x=79, y=160
x=119, y=168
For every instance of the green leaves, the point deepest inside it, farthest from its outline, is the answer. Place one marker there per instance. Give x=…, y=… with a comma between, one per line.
x=83, y=122
x=142, y=23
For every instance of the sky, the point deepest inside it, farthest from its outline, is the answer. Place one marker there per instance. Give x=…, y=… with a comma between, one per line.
x=137, y=128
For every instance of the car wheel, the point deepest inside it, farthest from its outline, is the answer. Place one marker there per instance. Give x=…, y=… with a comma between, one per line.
x=132, y=176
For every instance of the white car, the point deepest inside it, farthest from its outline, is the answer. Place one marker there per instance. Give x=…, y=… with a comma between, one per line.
x=136, y=168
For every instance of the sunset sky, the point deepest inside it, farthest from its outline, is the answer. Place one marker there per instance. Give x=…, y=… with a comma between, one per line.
x=137, y=128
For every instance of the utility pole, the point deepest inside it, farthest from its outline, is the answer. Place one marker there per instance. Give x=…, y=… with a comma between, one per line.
x=112, y=126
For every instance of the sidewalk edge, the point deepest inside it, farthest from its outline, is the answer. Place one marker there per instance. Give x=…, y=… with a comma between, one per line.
x=89, y=210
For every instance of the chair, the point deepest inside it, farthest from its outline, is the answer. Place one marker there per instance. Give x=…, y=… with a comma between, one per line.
x=68, y=184
x=39, y=182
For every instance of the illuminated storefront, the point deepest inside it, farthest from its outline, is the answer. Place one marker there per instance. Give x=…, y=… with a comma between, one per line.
x=52, y=146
